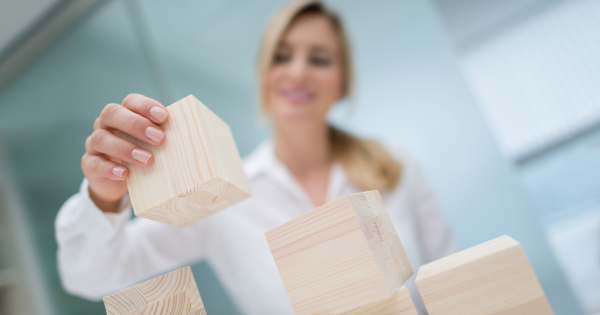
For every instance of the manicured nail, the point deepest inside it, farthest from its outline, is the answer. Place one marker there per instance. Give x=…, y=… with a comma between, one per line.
x=154, y=134
x=140, y=155
x=158, y=113
x=118, y=171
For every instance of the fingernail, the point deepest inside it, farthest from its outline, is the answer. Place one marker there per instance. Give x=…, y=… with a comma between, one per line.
x=140, y=155
x=118, y=171
x=154, y=134
x=158, y=113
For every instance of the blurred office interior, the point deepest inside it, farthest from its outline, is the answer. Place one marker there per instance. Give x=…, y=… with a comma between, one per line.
x=497, y=100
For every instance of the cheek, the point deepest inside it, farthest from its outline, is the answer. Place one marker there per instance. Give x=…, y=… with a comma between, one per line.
x=330, y=83
x=272, y=80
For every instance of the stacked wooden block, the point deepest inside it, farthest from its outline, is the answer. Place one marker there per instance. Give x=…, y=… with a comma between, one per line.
x=197, y=170
x=398, y=303
x=491, y=278
x=175, y=293
x=343, y=258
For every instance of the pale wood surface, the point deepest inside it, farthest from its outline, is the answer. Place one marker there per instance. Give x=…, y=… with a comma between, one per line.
x=491, y=278
x=197, y=170
x=340, y=256
x=174, y=293
x=399, y=303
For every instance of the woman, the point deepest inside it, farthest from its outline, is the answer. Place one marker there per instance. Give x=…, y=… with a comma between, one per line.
x=304, y=68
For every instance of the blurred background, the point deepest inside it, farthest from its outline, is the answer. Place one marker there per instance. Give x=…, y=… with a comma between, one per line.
x=499, y=101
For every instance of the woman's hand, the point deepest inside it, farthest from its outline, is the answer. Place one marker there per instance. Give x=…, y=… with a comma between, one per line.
x=103, y=149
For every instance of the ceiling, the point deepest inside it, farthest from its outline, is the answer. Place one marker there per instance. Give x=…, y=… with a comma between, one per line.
x=27, y=26
x=471, y=21
x=17, y=17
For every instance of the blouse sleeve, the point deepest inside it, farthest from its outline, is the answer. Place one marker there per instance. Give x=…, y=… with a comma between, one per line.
x=100, y=254
x=434, y=235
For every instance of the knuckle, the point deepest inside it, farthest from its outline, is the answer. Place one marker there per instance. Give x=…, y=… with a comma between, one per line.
x=84, y=159
x=108, y=110
x=88, y=143
x=123, y=147
x=146, y=103
x=137, y=123
x=98, y=136
x=88, y=161
x=85, y=164
x=130, y=98
x=95, y=164
x=106, y=168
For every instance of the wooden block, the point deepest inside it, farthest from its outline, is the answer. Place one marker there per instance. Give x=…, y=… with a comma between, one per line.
x=340, y=256
x=175, y=293
x=491, y=278
x=399, y=303
x=196, y=172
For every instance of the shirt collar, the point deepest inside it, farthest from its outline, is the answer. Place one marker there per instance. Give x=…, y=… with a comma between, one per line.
x=263, y=161
x=258, y=162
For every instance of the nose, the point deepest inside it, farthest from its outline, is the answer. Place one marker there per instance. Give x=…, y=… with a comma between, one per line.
x=298, y=69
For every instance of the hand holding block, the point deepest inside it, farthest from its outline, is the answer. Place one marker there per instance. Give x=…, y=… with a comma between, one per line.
x=196, y=172
x=175, y=293
x=399, y=303
x=340, y=256
x=491, y=278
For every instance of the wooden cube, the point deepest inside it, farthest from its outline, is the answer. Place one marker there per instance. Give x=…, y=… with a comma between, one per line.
x=491, y=278
x=340, y=256
x=175, y=293
x=399, y=303
x=196, y=172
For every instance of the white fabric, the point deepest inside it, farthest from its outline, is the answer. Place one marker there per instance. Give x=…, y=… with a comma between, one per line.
x=575, y=240
x=100, y=254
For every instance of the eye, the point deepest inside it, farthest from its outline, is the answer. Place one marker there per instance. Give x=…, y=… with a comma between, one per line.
x=282, y=57
x=320, y=61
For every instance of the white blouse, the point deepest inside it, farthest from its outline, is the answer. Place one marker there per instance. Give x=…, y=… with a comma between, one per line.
x=100, y=253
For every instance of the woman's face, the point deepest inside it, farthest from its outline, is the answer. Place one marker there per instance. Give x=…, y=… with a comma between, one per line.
x=306, y=77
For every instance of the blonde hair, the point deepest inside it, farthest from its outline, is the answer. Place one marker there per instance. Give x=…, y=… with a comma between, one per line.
x=368, y=165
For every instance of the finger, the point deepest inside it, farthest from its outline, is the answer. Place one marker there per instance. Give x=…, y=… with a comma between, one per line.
x=97, y=126
x=114, y=116
x=95, y=166
x=104, y=142
x=146, y=107
x=97, y=123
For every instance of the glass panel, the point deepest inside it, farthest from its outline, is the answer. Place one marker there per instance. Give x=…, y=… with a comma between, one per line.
x=46, y=113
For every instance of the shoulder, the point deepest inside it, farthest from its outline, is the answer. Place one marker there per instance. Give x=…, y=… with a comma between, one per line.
x=400, y=154
x=411, y=173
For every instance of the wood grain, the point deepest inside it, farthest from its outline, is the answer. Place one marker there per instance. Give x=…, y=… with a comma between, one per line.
x=339, y=256
x=399, y=303
x=174, y=293
x=491, y=278
x=197, y=170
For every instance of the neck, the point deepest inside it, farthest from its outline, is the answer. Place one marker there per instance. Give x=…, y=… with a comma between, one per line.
x=303, y=149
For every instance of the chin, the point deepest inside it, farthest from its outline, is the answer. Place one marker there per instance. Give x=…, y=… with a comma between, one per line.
x=296, y=113
x=294, y=116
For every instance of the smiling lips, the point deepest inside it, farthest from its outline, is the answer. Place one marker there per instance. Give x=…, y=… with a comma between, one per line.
x=297, y=96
